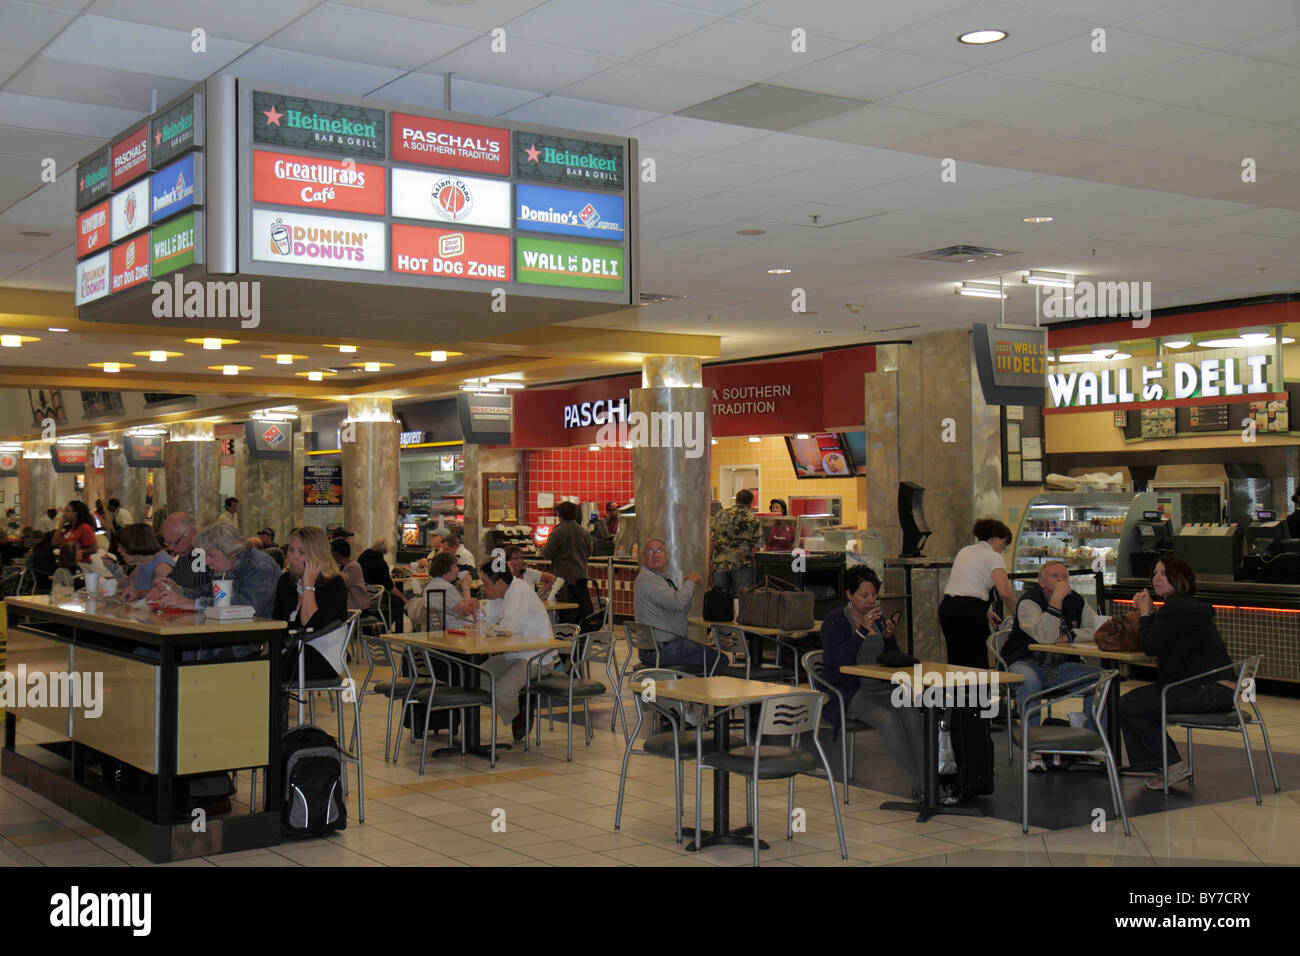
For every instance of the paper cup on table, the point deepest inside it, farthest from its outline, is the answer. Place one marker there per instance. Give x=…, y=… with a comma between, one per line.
x=92, y=582
x=108, y=587
x=221, y=588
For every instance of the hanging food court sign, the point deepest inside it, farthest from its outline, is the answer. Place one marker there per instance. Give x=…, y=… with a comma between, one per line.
x=1159, y=381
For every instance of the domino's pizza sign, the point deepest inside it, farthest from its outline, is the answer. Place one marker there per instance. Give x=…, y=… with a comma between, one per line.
x=273, y=437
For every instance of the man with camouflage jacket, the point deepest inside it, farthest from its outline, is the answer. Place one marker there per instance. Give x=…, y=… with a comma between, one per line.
x=736, y=535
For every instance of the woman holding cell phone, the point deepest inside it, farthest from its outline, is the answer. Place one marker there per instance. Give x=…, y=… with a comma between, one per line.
x=859, y=633
x=311, y=594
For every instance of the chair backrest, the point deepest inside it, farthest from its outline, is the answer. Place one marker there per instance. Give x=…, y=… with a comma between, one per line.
x=812, y=666
x=660, y=674
x=374, y=592
x=995, y=642
x=378, y=653
x=1101, y=694
x=564, y=630
x=640, y=636
x=729, y=639
x=596, y=647
x=790, y=714
x=1245, y=691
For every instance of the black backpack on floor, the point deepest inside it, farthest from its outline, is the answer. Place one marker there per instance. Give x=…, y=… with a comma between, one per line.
x=313, y=785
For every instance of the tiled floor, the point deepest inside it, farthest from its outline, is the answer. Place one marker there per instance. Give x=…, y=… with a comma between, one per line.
x=549, y=812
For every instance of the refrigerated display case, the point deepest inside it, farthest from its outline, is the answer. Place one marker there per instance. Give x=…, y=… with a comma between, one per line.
x=1084, y=530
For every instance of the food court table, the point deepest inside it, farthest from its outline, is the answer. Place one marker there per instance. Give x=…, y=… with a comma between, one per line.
x=754, y=635
x=476, y=648
x=175, y=703
x=722, y=693
x=947, y=676
x=1095, y=653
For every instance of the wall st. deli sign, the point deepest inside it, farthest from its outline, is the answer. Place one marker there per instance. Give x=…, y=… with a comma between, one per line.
x=1159, y=381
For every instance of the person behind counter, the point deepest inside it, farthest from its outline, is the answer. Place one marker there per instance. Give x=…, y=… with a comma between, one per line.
x=859, y=633
x=312, y=594
x=777, y=507
x=1183, y=639
x=781, y=537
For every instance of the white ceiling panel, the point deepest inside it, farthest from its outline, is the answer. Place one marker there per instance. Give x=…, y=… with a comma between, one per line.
x=869, y=73
x=976, y=94
x=11, y=262
x=801, y=185
x=49, y=208
x=876, y=126
x=1073, y=62
x=292, y=68
x=1159, y=130
x=483, y=99
x=37, y=144
x=736, y=48
x=524, y=65
x=643, y=86
x=367, y=37
x=970, y=178
x=251, y=21
x=622, y=28
x=1193, y=81
x=10, y=61
x=566, y=112
x=858, y=22
x=1028, y=30
x=1280, y=46
x=681, y=134
x=79, y=119
x=710, y=173
x=785, y=151
x=1278, y=103
x=481, y=15
x=1185, y=209
x=78, y=82
x=976, y=142
x=102, y=41
x=1077, y=112
x=27, y=28
x=1214, y=23
x=1263, y=222
x=875, y=166
x=1100, y=11
x=1261, y=141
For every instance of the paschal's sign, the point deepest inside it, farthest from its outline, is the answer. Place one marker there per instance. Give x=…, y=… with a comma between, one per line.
x=447, y=145
x=130, y=157
x=316, y=182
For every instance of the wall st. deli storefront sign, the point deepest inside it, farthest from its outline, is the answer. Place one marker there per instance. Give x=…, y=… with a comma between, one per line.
x=1159, y=381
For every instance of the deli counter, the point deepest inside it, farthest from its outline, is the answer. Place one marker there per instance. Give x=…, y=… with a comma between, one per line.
x=1097, y=530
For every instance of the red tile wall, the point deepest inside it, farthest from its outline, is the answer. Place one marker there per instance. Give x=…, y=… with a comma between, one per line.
x=599, y=476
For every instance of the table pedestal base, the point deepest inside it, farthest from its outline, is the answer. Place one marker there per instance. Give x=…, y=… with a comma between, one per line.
x=742, y=837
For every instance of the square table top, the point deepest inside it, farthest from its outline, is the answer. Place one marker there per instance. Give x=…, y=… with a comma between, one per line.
x=474, y=643
x=753, y=629
x=1086, y=649
x=932, y=673
x=717, y=691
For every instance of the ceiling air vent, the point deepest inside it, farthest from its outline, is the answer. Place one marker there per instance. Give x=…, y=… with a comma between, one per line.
x=960, y=254
x=770, y=107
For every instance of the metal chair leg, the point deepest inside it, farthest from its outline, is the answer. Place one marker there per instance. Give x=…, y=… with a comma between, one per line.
x=361, y=783
x=1250, y=762
x=753, y=782
x=1268, y=751
x=622, y=779
x=789, y=810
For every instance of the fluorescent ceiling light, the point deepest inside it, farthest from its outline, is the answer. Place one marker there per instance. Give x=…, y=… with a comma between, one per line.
x=1253, y=342
x=1036, y=219
x=593, y=448
x=754, y=439
x=1063, y=280
x=802, y=435
x=980, y=290
x=1177, y=343
x=315, y=376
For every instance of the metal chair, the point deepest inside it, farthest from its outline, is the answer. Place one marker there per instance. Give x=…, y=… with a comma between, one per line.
x=995, y=642
x=732, y=641
x=376, y=615
x=1074, y=741
x=1235, y=719
x=639, y=637
x=794, y=714
x=379, y=653
x=570, y=686
x=666, y=744
x=446, y=696
x=849, y=727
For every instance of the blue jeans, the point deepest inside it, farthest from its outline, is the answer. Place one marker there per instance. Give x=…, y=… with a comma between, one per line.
x=1036, y=674
x=734, y=579
x=684, y=655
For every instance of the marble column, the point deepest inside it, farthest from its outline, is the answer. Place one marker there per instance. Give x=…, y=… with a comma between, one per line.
x=193, y=471
x=671, y=462
x=927, y=422
x=128, y=485
x=370, y=446
x=96, y=482
x=266, y=491
x=36, y=481
x=481, y=460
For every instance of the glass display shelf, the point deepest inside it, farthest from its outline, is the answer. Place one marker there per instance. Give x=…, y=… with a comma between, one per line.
x=1080, y=529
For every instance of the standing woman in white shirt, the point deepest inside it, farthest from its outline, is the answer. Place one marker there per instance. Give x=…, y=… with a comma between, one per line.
x=967, y=610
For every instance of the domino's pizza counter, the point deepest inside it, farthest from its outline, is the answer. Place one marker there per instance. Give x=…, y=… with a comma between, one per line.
x=1252, y=618
x=124, y=707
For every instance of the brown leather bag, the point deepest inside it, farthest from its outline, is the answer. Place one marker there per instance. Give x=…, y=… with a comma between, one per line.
x=1119, y=634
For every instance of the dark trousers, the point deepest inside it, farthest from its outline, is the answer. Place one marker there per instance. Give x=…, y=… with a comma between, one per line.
x=1139, y=718
x=579, y=592
x=965, y=628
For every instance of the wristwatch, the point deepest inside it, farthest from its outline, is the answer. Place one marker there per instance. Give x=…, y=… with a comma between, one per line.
x=310, y=587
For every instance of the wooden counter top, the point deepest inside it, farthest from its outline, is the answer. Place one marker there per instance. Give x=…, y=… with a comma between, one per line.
x=88, y=612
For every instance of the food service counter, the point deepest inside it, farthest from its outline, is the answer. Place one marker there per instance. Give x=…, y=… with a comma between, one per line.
x=1253, y=619
x=170, y=702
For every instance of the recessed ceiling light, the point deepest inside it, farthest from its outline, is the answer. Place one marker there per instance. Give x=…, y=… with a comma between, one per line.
x=439, y=355
x=283, y=358
x=754, y=439
x=157, y=355
x=55, y=328
x=111, y=367
x=35, y=234
x=823, y=331
x=316, y=374
x=212, y=344
x=593, y=448
x=778, y=272
x=230, y=369
x=1177, y=343
x=713, y=441
x=343, y=348
x=803, y=435
x=751, y=232
x=979, y=37
x=371, y=366
x=16, y=341
x=1037, y=219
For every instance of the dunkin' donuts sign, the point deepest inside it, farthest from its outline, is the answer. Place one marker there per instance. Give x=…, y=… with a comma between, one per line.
x=290, y=237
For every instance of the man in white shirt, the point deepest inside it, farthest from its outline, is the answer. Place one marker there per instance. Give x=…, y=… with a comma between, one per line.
x=46, y=522
x=540, y=580
x=230, y=514
x=514, y=604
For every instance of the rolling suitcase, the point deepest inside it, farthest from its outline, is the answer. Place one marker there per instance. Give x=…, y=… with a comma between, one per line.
x=972, y=741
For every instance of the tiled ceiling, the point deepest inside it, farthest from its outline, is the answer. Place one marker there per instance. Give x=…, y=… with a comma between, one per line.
x=1136, y=152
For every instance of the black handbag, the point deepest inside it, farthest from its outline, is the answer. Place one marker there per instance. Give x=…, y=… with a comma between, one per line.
x=718, y=605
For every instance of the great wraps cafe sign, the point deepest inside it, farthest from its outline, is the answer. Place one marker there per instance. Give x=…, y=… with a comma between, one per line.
x=1158, y=381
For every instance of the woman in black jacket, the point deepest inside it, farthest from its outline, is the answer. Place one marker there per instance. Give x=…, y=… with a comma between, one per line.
x=312, y=594
x=1181, y=636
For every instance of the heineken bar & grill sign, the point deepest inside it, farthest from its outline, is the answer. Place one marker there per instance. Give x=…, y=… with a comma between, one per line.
x=318, y=124
x=556, y=160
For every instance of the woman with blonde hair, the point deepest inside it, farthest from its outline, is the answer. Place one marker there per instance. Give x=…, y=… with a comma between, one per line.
x=312, y=595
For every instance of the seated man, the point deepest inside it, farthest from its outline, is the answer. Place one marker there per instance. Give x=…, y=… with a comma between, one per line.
x=1048, y=613
x=451, y=545
x=358, y=598
x=514, y=604
x=541, y=580
x=227, y=554
x=660, y=603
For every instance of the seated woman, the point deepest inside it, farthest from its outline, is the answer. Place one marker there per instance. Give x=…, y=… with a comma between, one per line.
x=859, y=633
x=312, y=594
x=1181, y=636
x=142, y=552
x=443, y=580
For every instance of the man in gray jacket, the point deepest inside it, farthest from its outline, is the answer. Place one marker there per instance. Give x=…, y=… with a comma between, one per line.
x=663, y=605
